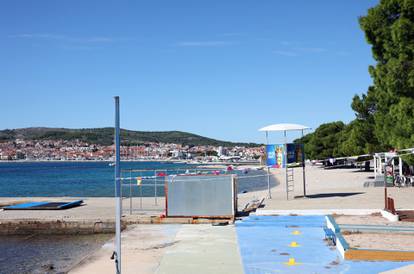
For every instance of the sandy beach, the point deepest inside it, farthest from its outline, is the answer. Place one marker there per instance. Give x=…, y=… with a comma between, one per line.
x=331, y=189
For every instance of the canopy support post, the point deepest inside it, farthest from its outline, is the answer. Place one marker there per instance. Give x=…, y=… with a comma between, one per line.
x=303, y=169
x=269, y=193
x=286, y=164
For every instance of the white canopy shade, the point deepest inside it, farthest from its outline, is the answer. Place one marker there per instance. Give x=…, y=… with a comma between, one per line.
x=284, y=127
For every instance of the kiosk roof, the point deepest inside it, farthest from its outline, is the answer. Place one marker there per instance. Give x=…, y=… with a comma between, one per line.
x=284, y=127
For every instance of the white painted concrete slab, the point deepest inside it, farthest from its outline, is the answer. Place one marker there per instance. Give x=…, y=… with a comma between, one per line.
x=203, y=249
x=306, y=212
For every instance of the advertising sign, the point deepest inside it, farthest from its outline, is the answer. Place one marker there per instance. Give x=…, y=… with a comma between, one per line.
x=389, y=174
x=276, y=157
x=295, y=153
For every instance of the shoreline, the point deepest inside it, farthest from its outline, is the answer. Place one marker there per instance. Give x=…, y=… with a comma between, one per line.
x=81, y=161
x=251, y=163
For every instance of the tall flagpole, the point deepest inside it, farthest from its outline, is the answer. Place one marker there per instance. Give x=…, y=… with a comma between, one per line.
x=117, y=189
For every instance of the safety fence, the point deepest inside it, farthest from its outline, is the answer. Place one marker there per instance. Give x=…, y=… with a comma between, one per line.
x=144, y=190
x=201, y=196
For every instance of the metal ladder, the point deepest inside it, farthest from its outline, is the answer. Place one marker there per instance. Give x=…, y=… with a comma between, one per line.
x=290, y=183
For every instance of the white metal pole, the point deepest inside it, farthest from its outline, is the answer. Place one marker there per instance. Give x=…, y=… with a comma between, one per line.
x=304, y=167
x=286, y=167
x=380, y=163
x=269, y=193
x=117, y=189
x=130, y=192
x=393, y=165
x=155, y=189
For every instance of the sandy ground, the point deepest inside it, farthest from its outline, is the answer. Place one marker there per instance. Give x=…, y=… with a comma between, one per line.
x=142, y=249
x=369, y=220
x=393, y=241
x=94, y=208
x=327, y=189
x=381, y=241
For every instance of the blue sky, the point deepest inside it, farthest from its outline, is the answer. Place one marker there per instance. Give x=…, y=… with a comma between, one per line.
x=217, y=68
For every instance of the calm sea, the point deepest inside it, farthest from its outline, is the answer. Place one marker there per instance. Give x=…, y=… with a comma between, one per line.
x=51, y=254
x=94, y=179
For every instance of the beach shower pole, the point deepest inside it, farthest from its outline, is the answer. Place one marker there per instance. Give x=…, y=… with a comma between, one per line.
x=268, y=170
x=117, y=190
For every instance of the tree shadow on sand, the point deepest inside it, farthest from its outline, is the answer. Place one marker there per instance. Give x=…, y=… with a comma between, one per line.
x=330, y=195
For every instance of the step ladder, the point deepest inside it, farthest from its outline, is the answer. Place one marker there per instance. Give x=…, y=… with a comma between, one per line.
x=290, y=183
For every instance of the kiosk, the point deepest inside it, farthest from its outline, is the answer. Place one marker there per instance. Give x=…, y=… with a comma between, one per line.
x=281, y=155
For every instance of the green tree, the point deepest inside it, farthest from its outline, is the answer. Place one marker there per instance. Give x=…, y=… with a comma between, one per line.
x=385, y=114
x=359, y=136
x=324, y=142
x=389, y=29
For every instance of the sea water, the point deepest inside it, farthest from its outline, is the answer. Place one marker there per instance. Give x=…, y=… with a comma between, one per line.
x=96, y=179
x=46, y=254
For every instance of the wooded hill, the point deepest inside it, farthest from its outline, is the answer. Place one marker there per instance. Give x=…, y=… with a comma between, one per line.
x=105, y=136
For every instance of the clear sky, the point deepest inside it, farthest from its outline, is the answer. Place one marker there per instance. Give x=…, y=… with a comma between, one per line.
x=217, y=68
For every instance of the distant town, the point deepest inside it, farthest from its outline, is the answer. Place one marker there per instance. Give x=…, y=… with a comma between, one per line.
x=76, y=150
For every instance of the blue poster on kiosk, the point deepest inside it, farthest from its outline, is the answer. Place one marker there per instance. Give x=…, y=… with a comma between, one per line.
x=270, y=155
x=275, y=156
x=295, y=153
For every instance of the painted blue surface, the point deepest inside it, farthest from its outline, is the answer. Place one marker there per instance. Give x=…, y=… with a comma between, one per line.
x=262, y=239
x=71, y=204
x=26, y=205
x=32, y=205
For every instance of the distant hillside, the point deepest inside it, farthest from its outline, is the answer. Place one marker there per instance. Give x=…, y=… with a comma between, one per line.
x=105, y=136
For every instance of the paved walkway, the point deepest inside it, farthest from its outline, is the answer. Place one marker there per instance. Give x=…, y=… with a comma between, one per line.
x=203, y=249
x=257, y=244
x=148, y=249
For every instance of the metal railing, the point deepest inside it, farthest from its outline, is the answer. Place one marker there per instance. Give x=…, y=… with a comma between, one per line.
x=140, y=184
